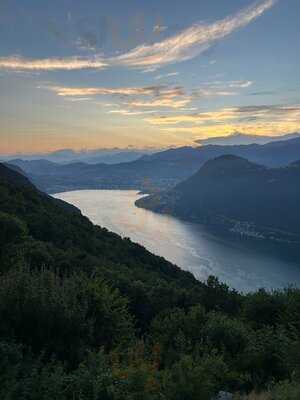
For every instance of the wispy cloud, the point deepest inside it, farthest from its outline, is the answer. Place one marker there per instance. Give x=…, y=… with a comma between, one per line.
x=212, y=92
x=220, y=88
x=240, y=84
x=75, y=99
x=159, y=28
x=170, y=74
x=156, y=90
x=196, y=118
x=185, y=45
x=192, y=41
x=138, y=97
x=102, y=91
x=51, y=64
x=162, y=101
x=255, y=120
x=245, y=114
x=130, y=112
x=156, y=96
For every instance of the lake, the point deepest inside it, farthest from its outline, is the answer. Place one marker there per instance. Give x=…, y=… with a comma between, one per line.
x=186, y=244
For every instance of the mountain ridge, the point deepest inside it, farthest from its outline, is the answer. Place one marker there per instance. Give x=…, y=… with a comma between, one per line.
x=245, y=139
x=229, y=193
x=155, y=172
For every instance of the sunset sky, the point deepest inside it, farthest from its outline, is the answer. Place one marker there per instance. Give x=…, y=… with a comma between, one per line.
x=98, y=74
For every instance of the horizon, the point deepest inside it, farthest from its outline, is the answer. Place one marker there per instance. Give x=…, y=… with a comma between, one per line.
x=218, y=141
x=137, y=76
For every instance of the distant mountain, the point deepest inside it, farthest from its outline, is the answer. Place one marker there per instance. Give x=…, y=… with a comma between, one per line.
x=240, y=138
x=236, y=196
x=34, y=166
x=65, y=156
x=151, y=173
x=114, y=158
x=142, y=174
x=274, y=154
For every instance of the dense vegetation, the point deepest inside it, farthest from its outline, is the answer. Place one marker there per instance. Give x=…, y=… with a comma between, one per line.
x=85, y=315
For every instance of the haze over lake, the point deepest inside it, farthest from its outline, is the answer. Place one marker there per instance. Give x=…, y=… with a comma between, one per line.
x=185, y=244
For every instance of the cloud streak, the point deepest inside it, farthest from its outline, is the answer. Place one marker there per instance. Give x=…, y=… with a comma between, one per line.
x=102, y=91
x=156, y=96
x=163, y=76
x=254, y=120
x=136, y=97
x=130, y=113
x=17, y=63
x=162, y=101
x=185, y=45
x=192, y=41
x=241, y=115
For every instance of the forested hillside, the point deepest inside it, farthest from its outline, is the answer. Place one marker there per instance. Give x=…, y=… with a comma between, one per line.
x=234, y=195
x=87, y=315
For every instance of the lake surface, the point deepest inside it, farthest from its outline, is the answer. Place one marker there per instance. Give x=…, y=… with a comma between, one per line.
x=185, y=244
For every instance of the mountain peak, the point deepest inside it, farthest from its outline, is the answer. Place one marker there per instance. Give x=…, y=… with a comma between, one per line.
x=229, y=163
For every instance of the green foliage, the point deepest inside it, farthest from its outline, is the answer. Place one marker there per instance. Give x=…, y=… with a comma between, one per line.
x=12, y=229
x=178, y=332
x=263, y=308
x=85, y=315
x=226, y=334
x=62, y=317
x=287, y=391
x=192, y=380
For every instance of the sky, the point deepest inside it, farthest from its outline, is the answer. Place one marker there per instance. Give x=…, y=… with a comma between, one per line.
x=145, y=74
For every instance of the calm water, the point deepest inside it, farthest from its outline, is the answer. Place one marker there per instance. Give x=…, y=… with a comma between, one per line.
x=183, y=243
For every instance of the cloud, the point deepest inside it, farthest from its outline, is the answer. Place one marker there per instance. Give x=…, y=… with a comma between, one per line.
x=162, y=102
x=185, y=45
x=212, y=92
x=130, y=112
x=159, y=91
x=74, y=99
x=254, y=120
x=166, y=75
x=50, y=64
x=221, y=88
x=96, y=91
x=196, y=118
x=159, y=28
x=139, y=97
x=156, y=96
x=240, y=84
x=190, y=42
x=241, y=115
x=269, y=128
x=263, y=93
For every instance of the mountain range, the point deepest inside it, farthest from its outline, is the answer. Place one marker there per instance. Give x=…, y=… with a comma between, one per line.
x=240, y=138
x=66, y=156
x=151, y=173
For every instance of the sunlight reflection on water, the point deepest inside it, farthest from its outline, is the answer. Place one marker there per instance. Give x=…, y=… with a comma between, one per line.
x=183, y=243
